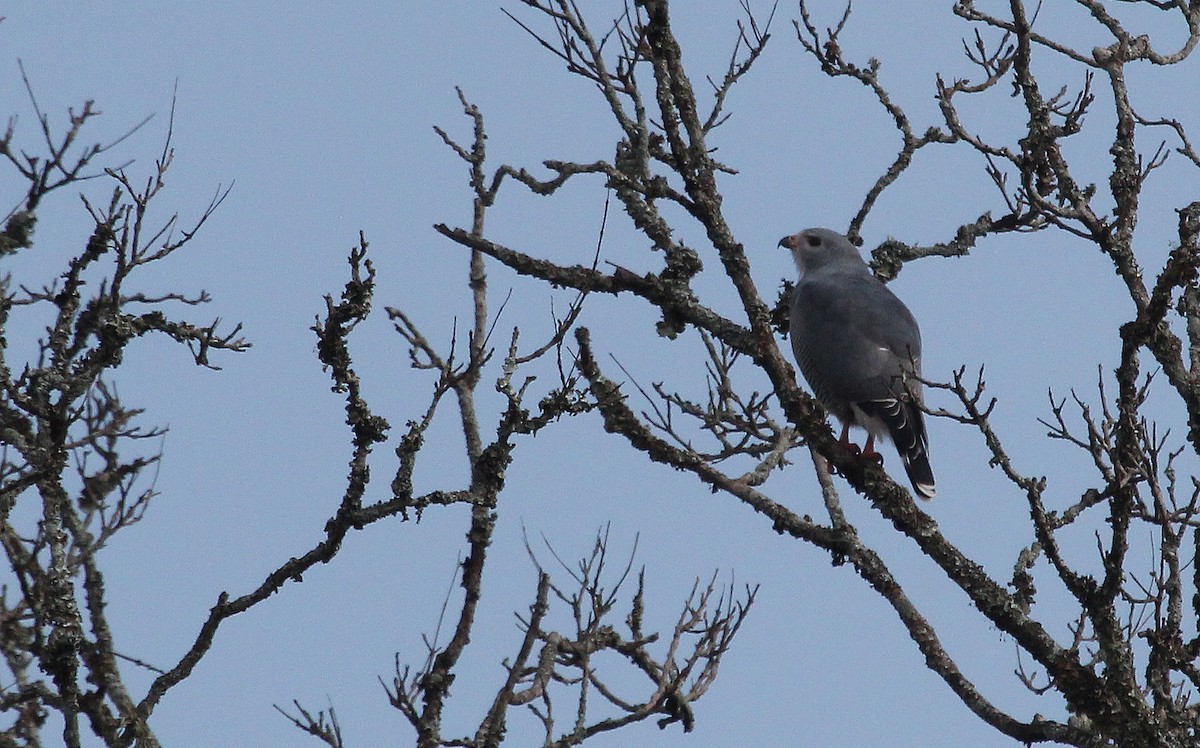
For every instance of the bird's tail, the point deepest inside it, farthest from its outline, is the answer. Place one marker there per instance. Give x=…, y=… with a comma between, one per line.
x=906, y=425
x=916, y=464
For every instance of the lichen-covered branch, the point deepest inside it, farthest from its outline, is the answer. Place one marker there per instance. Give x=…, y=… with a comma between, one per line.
x=72, y=447
x=1096, y=672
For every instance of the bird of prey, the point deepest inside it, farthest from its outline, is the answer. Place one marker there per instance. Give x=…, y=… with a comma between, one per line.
x=859, y=348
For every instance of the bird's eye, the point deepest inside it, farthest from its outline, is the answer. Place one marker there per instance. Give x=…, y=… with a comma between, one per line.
x=813, y=241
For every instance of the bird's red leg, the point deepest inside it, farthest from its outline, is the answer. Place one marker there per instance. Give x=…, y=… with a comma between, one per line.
x=844, y=440
x=869, y=449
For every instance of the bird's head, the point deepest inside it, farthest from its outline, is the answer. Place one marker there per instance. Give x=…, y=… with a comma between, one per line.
x=815, y=248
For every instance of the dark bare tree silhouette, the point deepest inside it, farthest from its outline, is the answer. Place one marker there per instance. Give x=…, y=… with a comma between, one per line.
x=1122, y=659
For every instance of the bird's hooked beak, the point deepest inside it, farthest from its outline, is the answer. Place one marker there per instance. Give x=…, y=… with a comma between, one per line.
x=788, y=242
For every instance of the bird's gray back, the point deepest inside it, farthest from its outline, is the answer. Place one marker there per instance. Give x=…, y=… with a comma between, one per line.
x=853, y=338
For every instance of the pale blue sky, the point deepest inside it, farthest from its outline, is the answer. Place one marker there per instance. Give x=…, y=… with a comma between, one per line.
x=323, y=117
